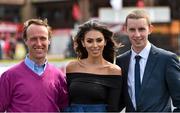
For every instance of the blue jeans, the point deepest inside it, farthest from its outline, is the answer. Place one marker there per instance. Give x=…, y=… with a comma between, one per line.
x=86, y=108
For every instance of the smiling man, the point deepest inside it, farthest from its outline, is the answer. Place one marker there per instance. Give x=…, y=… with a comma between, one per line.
x=34, y=85
x=151, y=74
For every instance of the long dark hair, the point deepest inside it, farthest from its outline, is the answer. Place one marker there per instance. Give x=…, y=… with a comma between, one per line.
x=109, y=49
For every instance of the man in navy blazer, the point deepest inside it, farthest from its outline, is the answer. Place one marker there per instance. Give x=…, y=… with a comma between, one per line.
x=159, y=70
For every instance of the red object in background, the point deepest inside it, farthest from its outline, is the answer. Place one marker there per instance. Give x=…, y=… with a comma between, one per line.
x=76, y=13
x=140, y=3
x=7, y=28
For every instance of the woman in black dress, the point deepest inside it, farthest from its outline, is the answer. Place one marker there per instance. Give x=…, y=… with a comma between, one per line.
x=94, y=82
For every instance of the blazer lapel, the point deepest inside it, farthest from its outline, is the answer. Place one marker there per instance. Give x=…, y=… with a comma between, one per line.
x=152, y=60
x=126, y=65
x=126, y=68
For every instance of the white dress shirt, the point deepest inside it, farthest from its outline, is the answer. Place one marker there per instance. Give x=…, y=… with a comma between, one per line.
x=131, y=82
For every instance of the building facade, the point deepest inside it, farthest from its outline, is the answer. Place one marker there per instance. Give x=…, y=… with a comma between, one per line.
x=64, y=14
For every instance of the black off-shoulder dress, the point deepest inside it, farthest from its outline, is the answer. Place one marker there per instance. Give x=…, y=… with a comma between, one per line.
x=94, y=93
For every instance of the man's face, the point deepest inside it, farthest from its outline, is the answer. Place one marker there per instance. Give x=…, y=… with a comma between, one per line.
x=138, y=31
x=37, y=42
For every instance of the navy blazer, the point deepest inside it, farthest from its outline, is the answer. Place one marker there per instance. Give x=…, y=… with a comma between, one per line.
x=161, y=81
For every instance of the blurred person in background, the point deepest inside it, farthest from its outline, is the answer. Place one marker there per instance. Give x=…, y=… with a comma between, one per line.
x=94, y=82
x=1, y=48
x=34, y=85
x=2, y=43
x=151, y=75
x=12, y=46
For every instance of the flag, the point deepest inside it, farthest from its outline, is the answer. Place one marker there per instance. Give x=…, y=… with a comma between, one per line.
x=76, y=13
x=140, y=3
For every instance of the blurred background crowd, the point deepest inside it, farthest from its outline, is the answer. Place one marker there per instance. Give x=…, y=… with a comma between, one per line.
x=65, y=15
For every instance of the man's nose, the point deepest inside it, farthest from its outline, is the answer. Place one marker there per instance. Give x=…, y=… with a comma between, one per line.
x=137, y=33
x=38, y=41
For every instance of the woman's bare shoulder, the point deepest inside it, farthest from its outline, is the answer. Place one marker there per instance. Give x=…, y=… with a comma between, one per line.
x=71, y=66
x=115, y=69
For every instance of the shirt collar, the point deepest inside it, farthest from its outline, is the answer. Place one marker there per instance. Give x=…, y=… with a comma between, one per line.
x=144, y=53
x=32, y=64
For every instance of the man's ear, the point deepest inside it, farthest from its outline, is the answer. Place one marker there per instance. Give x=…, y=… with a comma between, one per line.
x=124, y=28
x=25, y=41
x=151, y=27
